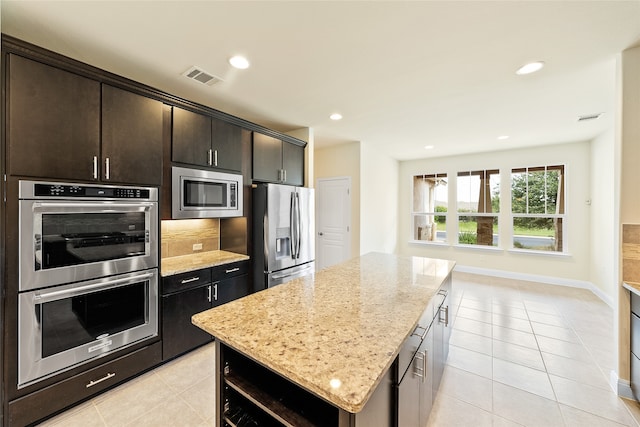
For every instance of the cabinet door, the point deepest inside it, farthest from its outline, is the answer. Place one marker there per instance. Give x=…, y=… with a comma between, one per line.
x=230, y=289
x=131, y=137
x=179, y=335
x=53, y=123
x=226, y=142
x=293, y=163
x=191, y=137
x=267, y=158
x=426, y=387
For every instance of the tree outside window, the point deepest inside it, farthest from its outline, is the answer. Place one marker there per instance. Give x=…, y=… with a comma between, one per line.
x=537, y=206
x=478, y=207
x=430, y=204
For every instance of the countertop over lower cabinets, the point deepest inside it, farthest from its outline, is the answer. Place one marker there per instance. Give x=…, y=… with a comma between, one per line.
x=335, y=333
x=185, y=263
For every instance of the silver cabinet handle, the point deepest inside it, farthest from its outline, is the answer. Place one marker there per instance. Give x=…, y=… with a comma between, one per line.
x=425, y=371
x=284, y=174
x=209, y=293
x=106, y=377
x=215, y=292
x=446, y=315
x=106, y=171
x=193, y=279
x=95, y=167
x=215, y=157
x=210, y=161
x=233, y=270
x=418, y=371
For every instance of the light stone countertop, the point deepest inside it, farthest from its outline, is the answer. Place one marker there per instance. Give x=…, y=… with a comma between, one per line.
x=632, y=286
x=185, y=263
x=343, y=326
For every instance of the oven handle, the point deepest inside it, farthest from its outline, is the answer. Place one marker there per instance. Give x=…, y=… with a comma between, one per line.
x=53, y=295
x=102, y=204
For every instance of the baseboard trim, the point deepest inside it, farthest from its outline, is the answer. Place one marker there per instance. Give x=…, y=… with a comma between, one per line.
x=548, y=280
x=621, y=387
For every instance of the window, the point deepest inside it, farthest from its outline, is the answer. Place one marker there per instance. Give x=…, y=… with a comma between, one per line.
x=478, y=207
x=537, y=207
x=430, y=202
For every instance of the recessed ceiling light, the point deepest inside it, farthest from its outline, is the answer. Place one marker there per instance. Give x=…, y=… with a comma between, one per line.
x=529, y=68
x=503, y=137
x=428, y=147
x=239, y=62
x=336, y=116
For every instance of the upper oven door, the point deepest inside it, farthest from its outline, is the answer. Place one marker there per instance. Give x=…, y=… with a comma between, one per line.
x=63, y=242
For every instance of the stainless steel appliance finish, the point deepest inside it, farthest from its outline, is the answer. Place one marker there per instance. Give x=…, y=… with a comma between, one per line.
x=284, y=230
x=197, y=193
x=73, y=232
x=66, y=325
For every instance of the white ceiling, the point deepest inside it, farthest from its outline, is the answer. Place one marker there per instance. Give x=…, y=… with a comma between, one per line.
x=403, y=74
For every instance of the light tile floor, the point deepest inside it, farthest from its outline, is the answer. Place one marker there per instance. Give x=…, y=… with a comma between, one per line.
x=529, y=354
x=522, y=354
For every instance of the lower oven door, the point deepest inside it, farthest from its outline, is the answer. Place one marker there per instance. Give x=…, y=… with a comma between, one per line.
x=63, y=326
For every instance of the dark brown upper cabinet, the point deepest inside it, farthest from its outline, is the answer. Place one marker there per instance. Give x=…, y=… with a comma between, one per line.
x=202, y=140
x=53, y=124
x=277, y=161
x=65, y=126
x=131, y=137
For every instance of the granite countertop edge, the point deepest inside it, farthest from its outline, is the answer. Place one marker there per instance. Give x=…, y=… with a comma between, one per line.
x=186, y=263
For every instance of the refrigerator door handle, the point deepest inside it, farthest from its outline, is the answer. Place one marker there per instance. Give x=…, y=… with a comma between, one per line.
x=292, y=219
x=298, y=225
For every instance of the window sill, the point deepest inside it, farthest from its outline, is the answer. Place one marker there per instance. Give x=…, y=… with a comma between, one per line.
x=538, y=253
x=478, y=247
x=428, y=243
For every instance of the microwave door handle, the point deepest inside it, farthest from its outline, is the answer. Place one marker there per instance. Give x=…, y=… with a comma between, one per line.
x=54, y=295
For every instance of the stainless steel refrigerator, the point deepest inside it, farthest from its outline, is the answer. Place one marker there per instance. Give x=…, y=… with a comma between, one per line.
x=283, y=234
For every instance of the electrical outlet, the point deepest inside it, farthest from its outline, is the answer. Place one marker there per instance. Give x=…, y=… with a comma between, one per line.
x=197, y=246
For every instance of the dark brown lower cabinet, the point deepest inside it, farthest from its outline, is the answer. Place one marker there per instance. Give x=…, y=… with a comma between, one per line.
x=186, y=294
x=28, y=409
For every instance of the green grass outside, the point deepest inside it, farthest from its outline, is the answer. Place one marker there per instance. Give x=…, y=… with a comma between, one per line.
x=472, y=227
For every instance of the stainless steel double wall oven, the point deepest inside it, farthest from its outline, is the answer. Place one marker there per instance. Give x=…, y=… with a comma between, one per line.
x=88, y=274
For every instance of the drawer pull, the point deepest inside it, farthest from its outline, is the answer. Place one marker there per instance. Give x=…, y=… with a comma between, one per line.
x=193, y=279
x=233, y=270
x=106, y=377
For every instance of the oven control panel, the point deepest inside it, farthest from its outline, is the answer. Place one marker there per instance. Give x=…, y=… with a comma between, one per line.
x=85, y=191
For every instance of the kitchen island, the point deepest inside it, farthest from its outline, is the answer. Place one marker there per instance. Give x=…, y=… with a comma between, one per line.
x=316, y=350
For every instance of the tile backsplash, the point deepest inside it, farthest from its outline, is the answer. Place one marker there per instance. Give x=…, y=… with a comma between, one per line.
x=631, y=252
x=180, y=236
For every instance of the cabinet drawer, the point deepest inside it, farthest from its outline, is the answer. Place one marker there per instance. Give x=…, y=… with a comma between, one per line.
x=183, y=281
x=42, y=403
x=635, y=334
x=635, y=375
x=635, y=303
x=225, y=271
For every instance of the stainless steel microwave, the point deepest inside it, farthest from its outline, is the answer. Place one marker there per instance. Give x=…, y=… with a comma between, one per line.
x=198, y=193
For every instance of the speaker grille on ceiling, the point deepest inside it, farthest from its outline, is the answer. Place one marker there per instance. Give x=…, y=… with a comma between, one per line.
x=199, y=75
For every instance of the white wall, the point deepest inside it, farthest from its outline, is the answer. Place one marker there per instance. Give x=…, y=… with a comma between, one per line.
x=628, y=152
x=343, y=160
x=378, y=201
x=573, y=269
x=603, y=273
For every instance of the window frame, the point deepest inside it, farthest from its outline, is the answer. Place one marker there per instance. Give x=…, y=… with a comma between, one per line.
x=486, y=173
x=434, y=213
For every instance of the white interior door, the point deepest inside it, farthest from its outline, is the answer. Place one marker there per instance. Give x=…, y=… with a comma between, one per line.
x=333, y=221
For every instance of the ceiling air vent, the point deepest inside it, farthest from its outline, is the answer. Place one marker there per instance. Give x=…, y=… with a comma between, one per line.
x=199, y=75
x=589, y=117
